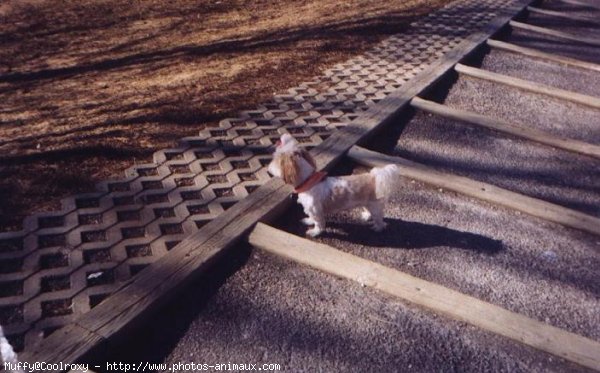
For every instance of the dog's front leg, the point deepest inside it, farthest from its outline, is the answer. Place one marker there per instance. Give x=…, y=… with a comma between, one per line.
x=319, y=225
x=315, y=216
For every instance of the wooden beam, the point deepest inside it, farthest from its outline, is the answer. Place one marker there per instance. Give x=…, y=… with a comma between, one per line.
x=569, y=16
x=153, y=286
x=529, y=86
x=555, y=33
x=500, y=125
x=65, y=345
x=484, y=191
x=581, y=3
x=437, y=298
x=542, y=55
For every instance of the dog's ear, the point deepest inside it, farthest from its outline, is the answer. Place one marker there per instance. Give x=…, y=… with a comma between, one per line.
x=286, y=138
x=306, y=155
x=290, y=172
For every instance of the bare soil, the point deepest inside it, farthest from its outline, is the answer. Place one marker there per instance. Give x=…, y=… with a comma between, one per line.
x=88, y=88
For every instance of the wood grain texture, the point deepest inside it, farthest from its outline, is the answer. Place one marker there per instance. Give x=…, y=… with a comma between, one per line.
x=487, y=192
x=564, y=15
x=555, y=33
x=65, y=345
x=527, y=85
x=497, y=44
x=434, y=297
x=500, y=125
x=581, y=3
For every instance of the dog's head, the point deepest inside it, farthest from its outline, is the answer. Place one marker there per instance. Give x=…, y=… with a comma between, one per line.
x=290, y=162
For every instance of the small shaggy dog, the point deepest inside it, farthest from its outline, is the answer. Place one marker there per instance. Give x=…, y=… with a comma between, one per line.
x=320, y=195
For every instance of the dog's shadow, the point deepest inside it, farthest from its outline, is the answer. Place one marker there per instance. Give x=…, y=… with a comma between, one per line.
x=411, y=235
x=400, y=234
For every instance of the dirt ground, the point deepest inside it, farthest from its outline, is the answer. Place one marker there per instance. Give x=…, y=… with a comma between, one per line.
x=89, y=88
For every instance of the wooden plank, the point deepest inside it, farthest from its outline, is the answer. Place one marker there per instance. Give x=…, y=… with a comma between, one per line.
x=569, y=16
x=500, y=125
x=582, y=3
x=555, y=33
x=138, y=297
x=65, y=345
x=542, y=55
x=437, y=298
x=527, y=85
x=484, y=191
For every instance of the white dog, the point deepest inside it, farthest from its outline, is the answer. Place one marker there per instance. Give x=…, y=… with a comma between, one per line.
x=320, y=195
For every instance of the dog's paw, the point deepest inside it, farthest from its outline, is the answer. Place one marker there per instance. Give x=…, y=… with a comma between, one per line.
x=379, y=227
x=308, y=221
x=365, y=215
x=314, y=232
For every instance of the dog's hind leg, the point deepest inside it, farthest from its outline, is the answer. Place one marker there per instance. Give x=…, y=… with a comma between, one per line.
x=376, y=210
x=316, y=215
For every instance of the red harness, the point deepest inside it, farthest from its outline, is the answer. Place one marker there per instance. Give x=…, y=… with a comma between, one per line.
x=312, y=180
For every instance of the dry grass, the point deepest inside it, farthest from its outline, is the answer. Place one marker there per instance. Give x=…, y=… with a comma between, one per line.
x=90, y=87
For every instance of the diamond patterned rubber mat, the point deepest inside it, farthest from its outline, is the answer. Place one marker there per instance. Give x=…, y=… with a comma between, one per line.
x=64, y=263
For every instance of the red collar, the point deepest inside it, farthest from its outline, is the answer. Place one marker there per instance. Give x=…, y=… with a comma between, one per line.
x=312, y=180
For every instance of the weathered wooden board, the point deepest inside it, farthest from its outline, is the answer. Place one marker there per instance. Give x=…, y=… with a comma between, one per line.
x=487, y=192
x=581, y=3
x=564, y=15
x=437, y=298
x=65, y=345
x=507, y=127
x=555, y=33
x=542, y=55
x=529, y=86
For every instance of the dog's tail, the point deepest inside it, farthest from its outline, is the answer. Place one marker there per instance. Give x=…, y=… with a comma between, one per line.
x=385, y=180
